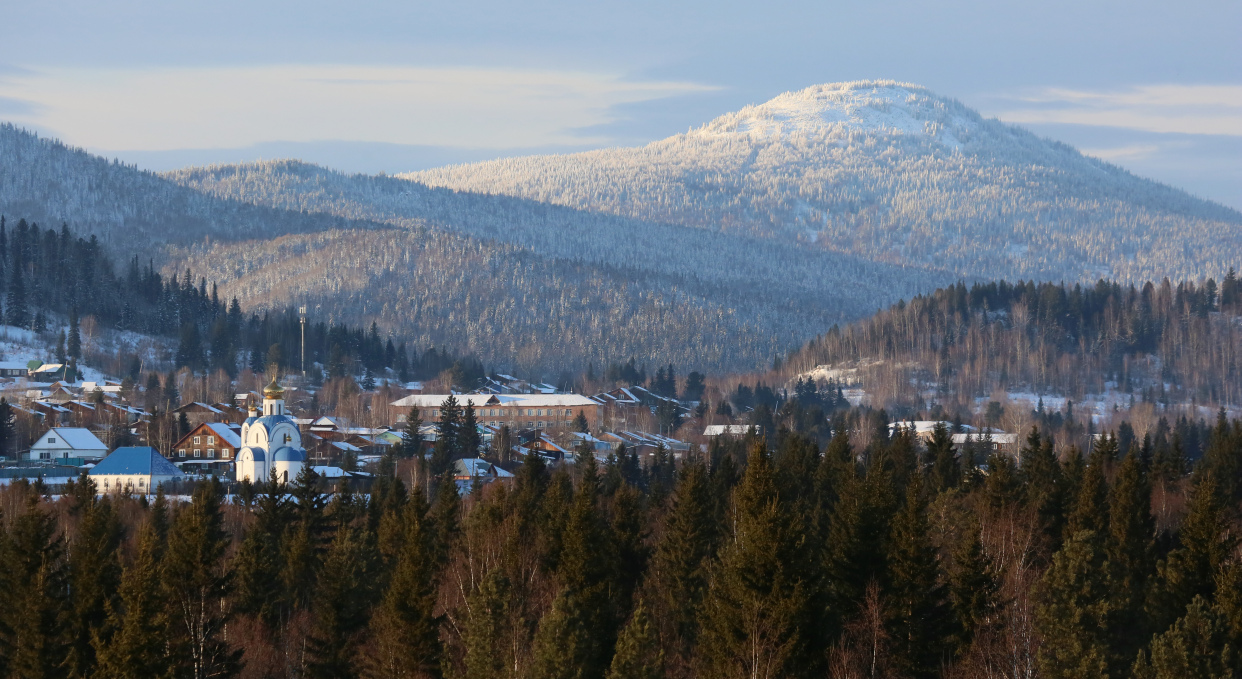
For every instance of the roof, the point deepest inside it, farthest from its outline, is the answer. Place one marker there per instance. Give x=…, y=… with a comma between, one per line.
x=135, y=460
x=999, y=437
x=198, y=405
x=481, y=400
x=226, y=433
x=78, y=438
x=721, y=429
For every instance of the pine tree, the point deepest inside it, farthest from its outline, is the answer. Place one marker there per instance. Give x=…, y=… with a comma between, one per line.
x=580, y=423
x=1191, y=569
x=1091, y=505
x=637, y=655
x=756, y=621
x=1197, y=645
x=197, y=584
x=8, y=427
x=260, y=560
x=16, y=312
x=137, y=649
x=405, y=631
x=36, y=597
x=1072, y=615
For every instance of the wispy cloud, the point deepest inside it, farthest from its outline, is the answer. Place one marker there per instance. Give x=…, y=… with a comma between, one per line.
x=162, y=108
x=1182, y=109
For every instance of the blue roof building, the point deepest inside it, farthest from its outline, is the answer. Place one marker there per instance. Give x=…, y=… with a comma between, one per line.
x=134, y=469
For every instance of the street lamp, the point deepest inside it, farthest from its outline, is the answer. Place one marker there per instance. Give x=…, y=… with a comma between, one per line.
x=302, y=319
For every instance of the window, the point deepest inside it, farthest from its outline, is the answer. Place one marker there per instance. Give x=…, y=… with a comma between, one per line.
x=211, y=453
x=541, y=424
x=198, y=453
x=181, y=452
x=51, y=439
x=211, y=440
x=224, y=452
x=197, y=440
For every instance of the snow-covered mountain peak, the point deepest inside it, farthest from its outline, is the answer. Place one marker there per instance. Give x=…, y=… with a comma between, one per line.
x=841, y=109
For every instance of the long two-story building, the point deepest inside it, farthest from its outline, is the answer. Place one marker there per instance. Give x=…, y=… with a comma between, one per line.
x=518, y=411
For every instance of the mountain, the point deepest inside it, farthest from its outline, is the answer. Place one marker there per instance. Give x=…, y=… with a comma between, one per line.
x=524, y=285
x=893, y=173
x=715, y=249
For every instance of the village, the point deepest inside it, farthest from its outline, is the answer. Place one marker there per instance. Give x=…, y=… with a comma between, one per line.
x=62, y=429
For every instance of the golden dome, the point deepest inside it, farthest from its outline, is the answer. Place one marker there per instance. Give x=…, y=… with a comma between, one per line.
x=273, y=391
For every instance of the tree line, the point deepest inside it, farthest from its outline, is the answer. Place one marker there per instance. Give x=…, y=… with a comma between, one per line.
x=875, y=555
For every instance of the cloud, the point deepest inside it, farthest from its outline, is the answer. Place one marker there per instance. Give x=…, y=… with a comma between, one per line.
x=1181, y=109
x=152, y=109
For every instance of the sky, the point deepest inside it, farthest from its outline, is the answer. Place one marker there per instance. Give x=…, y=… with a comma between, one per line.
x=382, y=85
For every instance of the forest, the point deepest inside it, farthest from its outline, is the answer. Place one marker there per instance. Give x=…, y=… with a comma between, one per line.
x=51, y=274
x=870, y=553
x=1155, y=343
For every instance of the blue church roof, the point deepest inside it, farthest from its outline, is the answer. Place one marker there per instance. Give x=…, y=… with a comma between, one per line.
x=257, y=454
x=136, y=460
x=287, y=454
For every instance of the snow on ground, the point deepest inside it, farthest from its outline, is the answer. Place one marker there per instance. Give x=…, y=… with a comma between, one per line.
x=838, y=110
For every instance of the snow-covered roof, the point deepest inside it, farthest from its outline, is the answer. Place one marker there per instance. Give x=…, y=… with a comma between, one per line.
x=77, y=438
x=998, y=437
x=722, y=429
x=226, y=433
x=482, y=400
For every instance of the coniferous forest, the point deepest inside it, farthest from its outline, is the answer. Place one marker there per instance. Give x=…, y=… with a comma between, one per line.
x=863, y=555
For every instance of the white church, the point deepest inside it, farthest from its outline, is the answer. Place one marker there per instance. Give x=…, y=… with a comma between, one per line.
x=271, y=443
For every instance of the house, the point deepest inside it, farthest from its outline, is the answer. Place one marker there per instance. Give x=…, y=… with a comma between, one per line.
x=518, y=411
x=714, y=430
x=210, y=446
x=68, y=442
x=471, y=470
x=197, y=413
x=988, y=441
x=134, y=469
x=13, y=369
x=49, y=372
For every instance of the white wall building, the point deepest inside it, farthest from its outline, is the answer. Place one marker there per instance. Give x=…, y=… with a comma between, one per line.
x=62, y=442
x=271, y=443
x=135, y=469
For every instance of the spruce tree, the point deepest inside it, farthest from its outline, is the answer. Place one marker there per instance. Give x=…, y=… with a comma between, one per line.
x=341, y=606
x=8, y=429
x=756, y=620
x=680, y=563
x=918, y=615
x=945, y=470
x=1073, y=611
x=638, y=655
x=137, y=647
x=405, y=632
x=486, y=637
x=197, y=584
x=1130, y=548
x=74, y=346
x=577, y=635
x=33, y=639
x=974, y=590
x=447, y=445
x=1044, y=486
x=468, y=441
x=1091, y=505
x=1191, y=569
x=95, y=575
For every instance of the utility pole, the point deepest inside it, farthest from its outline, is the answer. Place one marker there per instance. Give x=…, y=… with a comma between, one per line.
x=302, y=318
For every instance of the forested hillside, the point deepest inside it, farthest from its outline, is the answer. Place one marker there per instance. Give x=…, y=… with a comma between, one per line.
x=893, y=173
x=523, y=285
x=1158, y=343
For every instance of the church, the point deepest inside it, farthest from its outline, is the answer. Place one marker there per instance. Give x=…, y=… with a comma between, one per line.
x=271, y=443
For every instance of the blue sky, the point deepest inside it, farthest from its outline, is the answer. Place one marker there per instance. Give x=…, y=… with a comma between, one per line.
x=391, y=86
